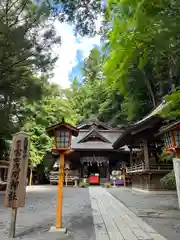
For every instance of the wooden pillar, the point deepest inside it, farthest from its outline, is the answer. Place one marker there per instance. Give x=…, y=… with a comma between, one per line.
x=0, y=175
x=178, y=152
x=31, y=176
x=131, y=155
x=107, y=170
x=6, y=174
x=146, y=154
x=82, y=170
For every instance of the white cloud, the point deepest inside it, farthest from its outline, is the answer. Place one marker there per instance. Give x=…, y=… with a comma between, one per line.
x=67, y=52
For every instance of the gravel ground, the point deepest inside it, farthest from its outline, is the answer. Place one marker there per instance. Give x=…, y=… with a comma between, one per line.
x=160, y=211
x=34, y=221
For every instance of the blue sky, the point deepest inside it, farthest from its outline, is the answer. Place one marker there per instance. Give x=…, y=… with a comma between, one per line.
x=71, y=53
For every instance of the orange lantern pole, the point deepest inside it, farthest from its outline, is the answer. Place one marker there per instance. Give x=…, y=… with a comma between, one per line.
x=62, y=134
x=60, y=192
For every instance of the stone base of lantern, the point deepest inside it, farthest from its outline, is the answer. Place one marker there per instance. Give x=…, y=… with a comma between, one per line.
x=75, y=183
x=62, y=231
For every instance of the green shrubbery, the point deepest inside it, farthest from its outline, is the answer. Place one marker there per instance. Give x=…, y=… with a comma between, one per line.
x=168, y=181
x=84, y=184
x=107, y=185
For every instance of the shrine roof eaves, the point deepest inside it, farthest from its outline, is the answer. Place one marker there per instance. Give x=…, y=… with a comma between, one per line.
x=167, y=127
x=98, y=134
x=137, y=127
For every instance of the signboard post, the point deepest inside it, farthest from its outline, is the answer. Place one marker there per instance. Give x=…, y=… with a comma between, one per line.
x=16, y=185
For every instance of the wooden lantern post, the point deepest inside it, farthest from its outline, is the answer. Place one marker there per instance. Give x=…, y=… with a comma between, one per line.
x=62, y=134
x=171, y=135
x=124, y=172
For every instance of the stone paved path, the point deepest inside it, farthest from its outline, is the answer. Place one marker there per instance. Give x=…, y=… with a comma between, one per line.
x=157, y=209
x=114, y=221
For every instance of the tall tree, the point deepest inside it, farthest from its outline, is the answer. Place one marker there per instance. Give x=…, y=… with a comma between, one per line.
x=84, y=14
x=143, y=51
x=94, y=97
x=26, y=40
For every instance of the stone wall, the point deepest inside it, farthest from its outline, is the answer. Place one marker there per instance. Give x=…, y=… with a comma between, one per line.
x=147, y=181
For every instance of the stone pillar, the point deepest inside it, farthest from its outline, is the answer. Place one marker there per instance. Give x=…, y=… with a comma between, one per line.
x=146, y=154
x=176, y=164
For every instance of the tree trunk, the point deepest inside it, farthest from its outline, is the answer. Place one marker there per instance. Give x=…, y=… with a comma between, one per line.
x=30, y=177
x=149, y=87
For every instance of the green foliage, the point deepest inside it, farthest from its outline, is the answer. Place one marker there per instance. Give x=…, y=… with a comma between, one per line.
x=42, y=114
x=82, y=13
x=166, y=157
x=107, y=185
x=143, y=56
x=94, y=97
x=84, y=184
x=172, y=110
x=169, y=181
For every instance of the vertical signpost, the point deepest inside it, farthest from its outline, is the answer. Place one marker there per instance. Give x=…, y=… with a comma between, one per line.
x=16, y=185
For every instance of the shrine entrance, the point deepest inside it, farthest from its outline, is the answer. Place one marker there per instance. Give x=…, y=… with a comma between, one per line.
x=95, y=168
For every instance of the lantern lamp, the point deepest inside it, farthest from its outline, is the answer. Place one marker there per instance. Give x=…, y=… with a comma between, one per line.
x=62, y=134
x=171, y=136
x=177, y=136
x=62, y=138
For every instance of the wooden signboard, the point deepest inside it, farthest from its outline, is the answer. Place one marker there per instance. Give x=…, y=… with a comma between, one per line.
x=16, y=186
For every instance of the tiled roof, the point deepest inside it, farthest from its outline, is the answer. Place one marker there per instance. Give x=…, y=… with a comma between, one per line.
x=156, y=111
x=151, y=118
x=110, y=135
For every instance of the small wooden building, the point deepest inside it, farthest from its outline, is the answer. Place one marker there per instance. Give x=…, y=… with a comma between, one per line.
x=93, y=156
x=145, y=167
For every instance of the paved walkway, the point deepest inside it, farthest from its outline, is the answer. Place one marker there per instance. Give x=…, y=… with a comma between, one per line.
x=159, y=210
x=114, y=221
